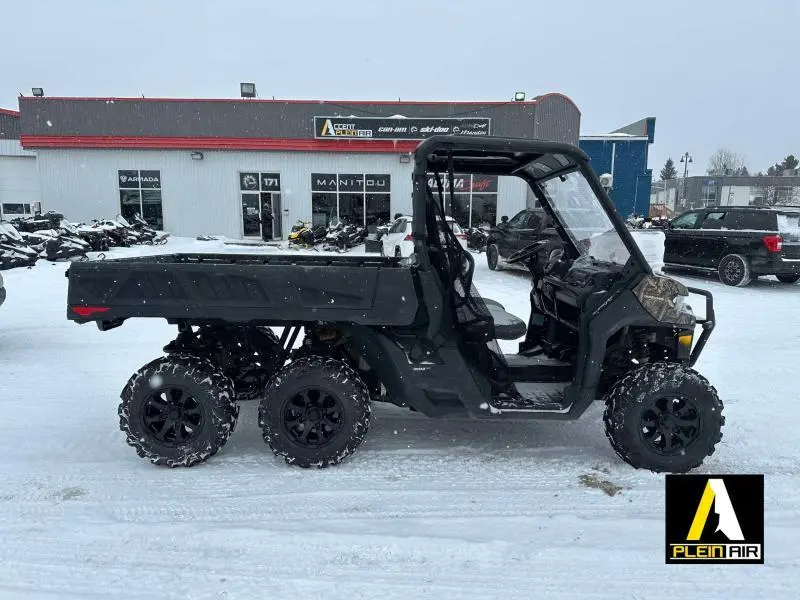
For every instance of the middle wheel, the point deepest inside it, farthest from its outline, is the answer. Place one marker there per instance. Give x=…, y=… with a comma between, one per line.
x=316, y=412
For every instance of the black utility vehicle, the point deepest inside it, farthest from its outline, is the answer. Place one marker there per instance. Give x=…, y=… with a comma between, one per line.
x=739, y=243
x=524, y=228
x=415, y=332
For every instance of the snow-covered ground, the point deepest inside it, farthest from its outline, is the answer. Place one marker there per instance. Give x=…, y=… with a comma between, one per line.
x=425, y=509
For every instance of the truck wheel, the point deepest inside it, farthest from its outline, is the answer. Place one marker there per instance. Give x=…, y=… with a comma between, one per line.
x=178, y=410
x=316, y=412
x=788, y=278
x=734, y=270
x=493, y=258
x=663, y=417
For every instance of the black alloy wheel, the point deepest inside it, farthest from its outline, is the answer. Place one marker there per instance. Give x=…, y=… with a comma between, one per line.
x=172, y=416
x=313, y=417
x=670, y=425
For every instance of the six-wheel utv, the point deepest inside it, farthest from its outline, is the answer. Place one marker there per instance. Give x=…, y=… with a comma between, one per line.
x=415, y=332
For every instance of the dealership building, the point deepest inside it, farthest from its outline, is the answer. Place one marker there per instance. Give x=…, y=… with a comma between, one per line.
x=238, y=167
x=19, y=179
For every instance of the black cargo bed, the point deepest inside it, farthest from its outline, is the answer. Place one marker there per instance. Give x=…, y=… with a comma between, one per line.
x=268, y=288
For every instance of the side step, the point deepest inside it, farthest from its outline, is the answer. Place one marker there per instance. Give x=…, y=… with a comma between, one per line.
x=533, y=397
x=537, y=367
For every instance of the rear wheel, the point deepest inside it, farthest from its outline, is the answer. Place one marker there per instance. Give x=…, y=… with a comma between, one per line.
x=493, y=257
x=788, y=278
x=734, y=270
x=316, y=412
x=663, y=417
x=178, y=410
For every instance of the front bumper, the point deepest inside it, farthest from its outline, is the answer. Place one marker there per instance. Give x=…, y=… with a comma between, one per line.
x=707, y=324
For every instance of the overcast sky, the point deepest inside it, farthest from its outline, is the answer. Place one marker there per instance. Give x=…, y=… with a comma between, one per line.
x=713, y=73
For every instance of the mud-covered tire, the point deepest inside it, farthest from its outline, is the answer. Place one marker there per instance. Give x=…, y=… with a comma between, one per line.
x=315, y=381
x=734, y=270
x=207, y=393
x=634, y=400
x=788, y=278
x=493, y=257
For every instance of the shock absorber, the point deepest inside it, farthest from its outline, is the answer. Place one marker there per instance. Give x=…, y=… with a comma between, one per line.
x=641, y=349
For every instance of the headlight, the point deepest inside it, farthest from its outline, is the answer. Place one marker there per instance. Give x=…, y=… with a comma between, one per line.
x=663, y=298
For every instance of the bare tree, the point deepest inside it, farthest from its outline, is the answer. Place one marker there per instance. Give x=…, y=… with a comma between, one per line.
x=726, y=162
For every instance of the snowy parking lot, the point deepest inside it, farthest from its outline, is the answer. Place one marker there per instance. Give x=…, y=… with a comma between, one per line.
x=425, y=508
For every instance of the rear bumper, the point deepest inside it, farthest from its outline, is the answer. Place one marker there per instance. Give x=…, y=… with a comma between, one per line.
x=775, y=266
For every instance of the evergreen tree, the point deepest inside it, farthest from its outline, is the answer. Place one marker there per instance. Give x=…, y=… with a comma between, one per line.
x=669, y=171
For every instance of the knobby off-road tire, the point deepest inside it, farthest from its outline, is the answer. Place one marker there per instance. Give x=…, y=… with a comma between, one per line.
x=315, y=413
x=663, y=417
x=493, y=258
x=178, y=410
x=734, y=270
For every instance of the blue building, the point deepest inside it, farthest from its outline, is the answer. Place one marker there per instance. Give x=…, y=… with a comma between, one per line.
x=623, y=155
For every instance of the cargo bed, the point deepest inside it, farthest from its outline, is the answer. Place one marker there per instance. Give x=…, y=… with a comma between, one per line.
x=243, y=288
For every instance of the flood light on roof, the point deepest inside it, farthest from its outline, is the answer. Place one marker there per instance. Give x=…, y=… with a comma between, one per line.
x=37, y=92
x=247, y=90
x=519, y=97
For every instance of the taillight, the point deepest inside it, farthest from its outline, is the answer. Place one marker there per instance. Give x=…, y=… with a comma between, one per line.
x=88, y=311
x=774, y=243
x=408, y=238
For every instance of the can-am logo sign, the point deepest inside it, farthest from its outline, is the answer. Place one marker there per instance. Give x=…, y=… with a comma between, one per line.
x=398, y=128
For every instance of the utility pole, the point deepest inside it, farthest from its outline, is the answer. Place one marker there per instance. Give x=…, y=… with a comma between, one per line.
x=685, y=159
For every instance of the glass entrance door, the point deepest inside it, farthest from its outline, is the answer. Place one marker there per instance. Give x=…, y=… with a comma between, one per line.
x=251, y=215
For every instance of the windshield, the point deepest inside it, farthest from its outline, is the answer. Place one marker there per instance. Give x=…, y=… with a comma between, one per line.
x=585, y=220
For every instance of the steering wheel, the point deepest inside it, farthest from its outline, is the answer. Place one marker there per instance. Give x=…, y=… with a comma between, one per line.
x=527, y=252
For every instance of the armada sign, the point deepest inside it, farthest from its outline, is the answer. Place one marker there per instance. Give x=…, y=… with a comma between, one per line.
x=397, y=128
x=137, y=179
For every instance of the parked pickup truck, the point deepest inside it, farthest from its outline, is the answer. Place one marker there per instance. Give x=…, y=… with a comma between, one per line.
x=739, y=243
x=524, y=228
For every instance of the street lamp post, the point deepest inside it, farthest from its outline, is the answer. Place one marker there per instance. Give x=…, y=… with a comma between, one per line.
x=685, y=159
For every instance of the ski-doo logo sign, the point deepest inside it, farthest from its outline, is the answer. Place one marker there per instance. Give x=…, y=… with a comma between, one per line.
x=139, y=179
x=716, y=519
x=398, y=128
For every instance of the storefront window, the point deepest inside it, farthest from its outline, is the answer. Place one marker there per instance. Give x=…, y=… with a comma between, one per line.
x=357, y=198
x=140, y=194
x=261, y=205
x=474, y=201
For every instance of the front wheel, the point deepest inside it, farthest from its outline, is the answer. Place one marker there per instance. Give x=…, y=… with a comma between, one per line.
x=788, y=278
x=663, y=417
x=734, y=270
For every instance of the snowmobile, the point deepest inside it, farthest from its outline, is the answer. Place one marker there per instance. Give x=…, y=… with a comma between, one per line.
x=149, y=234
x=477, y=237
x=298, y=230
x=119, y=235
x=14, y=251
x=55, y=245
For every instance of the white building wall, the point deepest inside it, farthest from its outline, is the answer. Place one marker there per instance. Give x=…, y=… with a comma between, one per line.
x=203, y=197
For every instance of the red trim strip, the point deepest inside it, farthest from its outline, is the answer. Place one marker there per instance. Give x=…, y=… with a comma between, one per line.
x=201, y=143
x=279, y=101
x=9, y=112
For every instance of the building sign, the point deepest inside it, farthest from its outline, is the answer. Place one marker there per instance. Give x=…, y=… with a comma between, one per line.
x=270, y=182
x=139, y=179
x=464, y=184
x=380, y=128
x=344, y=182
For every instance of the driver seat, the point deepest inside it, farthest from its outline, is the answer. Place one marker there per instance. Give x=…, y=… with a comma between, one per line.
x=506, y=325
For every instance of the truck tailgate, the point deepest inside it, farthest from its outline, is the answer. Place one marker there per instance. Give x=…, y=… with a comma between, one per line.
x=244, y=288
